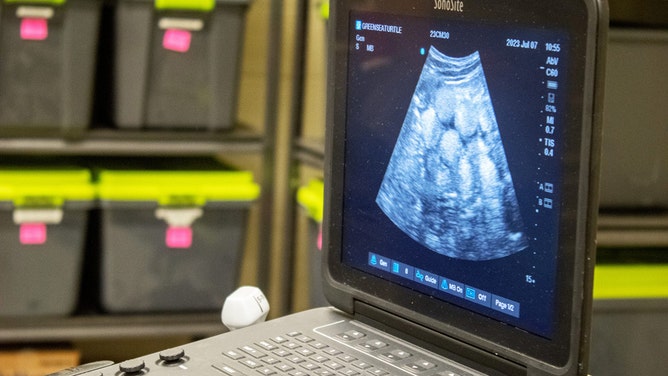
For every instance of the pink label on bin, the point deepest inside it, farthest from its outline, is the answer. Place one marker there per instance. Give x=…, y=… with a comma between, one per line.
x=177, y=40
x=34, y=29
x=320, y=238
x=179, y=237
x=32, y=233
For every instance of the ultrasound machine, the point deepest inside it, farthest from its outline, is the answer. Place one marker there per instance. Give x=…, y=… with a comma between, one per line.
x=462, y=154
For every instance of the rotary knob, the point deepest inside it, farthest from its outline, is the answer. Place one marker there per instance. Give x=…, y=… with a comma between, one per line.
x=132, y=366
x=172, y=355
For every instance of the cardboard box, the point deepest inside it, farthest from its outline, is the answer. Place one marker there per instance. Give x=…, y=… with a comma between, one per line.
x=37, y=362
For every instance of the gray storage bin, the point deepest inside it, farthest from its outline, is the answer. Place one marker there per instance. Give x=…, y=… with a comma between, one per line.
x=48, y=51
x=172, y=241
x=634, y=164
x=43, y=222
x=629, y=333
x=311, y=198
x=177, y=62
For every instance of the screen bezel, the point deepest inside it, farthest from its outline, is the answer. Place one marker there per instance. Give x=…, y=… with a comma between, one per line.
x=345, y=284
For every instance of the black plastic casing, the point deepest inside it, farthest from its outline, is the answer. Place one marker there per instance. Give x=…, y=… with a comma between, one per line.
x=490, y=345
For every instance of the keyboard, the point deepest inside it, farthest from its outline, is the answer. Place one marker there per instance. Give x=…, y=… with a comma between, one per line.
x=342, y=347
x=352, y=350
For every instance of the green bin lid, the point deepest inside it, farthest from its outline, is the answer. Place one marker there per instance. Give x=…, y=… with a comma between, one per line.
x=177, y=187
x=631, y=281
x=324, y=10
x=311, y=197
x=51, y=187
x=196, y=5
x=38, y=2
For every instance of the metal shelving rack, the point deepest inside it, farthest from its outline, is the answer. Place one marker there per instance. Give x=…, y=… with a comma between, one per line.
x=105, y=142
x=96, y=327
x=301, y=150
x=133, y=144
x=639, y=231
x=108, y=142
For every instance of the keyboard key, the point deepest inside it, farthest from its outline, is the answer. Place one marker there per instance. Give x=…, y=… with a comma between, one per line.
x=332, y=351
x=295, y=359
x=373, y=345
x=227, y=369
x=414, y=368
x=319, y=345
x=377, y=372
x=425, y=364
x=347, y=358
x=396, y=355
x=282, y=353
x=279, y=339
x=305, y=339
x=419, y=366
x=362, y=364
x=250, y=363
x=323, y=372
x=351, y=335
x=267, y=371
x=349, y=372
x=284, y=367
x=266, y=345
x=233, y=354
x=310, y=366
x=319, y=358
x=252, y=351
x=304, y=351
x=270, y=360
x=334, y=365
x=292, y=345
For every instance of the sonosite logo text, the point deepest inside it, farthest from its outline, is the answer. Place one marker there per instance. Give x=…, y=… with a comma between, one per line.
x=449, y=5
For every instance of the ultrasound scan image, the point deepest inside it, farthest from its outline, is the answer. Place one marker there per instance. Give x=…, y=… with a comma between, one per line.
x=447, y=184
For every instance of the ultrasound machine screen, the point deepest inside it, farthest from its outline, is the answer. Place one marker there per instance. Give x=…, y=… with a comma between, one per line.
x=454, y=135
